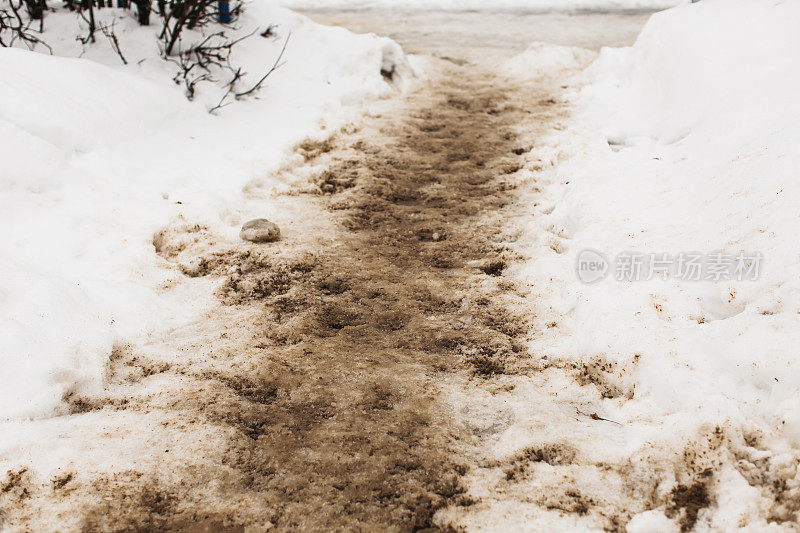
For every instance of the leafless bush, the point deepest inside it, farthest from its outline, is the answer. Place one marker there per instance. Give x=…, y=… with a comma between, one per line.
x=204, y=23
x=209, y=60
x=201, y=61
x=180, y=15
x=232, y=91
x=20, y=25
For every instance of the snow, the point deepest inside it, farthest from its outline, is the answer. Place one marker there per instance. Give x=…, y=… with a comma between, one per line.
x=542, y=59
x=98, y=156
x=483, y=5
x=684, y=142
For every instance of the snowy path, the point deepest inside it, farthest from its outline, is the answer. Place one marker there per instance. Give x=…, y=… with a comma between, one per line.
x=344, y=381
x=417, y=352
x=311, y=398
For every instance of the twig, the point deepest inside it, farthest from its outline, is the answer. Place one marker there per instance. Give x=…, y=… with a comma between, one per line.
x=595, y=416
x=112, y=38
x=237, y=75
x=274, y=67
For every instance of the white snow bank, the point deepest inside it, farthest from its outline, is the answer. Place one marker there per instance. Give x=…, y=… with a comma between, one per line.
x=483, y=5
x=96, y=157
x=686, y=142
x=720, y=66
x=63, y=101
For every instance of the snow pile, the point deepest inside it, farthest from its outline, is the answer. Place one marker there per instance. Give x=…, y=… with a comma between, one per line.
x=97, y=157
x=687, y=143
x=547, y=59
x=483, y=5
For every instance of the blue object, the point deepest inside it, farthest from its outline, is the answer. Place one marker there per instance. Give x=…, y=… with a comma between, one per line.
x=224, y=11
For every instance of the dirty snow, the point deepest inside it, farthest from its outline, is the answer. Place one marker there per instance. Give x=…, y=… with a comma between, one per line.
x=97, y=157
x=685, y=142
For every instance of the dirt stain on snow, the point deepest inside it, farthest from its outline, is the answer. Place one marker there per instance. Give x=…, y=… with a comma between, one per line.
x=321, y=371
x=316, y=396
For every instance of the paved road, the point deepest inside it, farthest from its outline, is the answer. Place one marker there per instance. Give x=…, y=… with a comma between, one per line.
x=490, y=36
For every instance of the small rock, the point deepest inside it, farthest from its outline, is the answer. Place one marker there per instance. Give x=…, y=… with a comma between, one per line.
x=260, y=230
x=435, y=236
